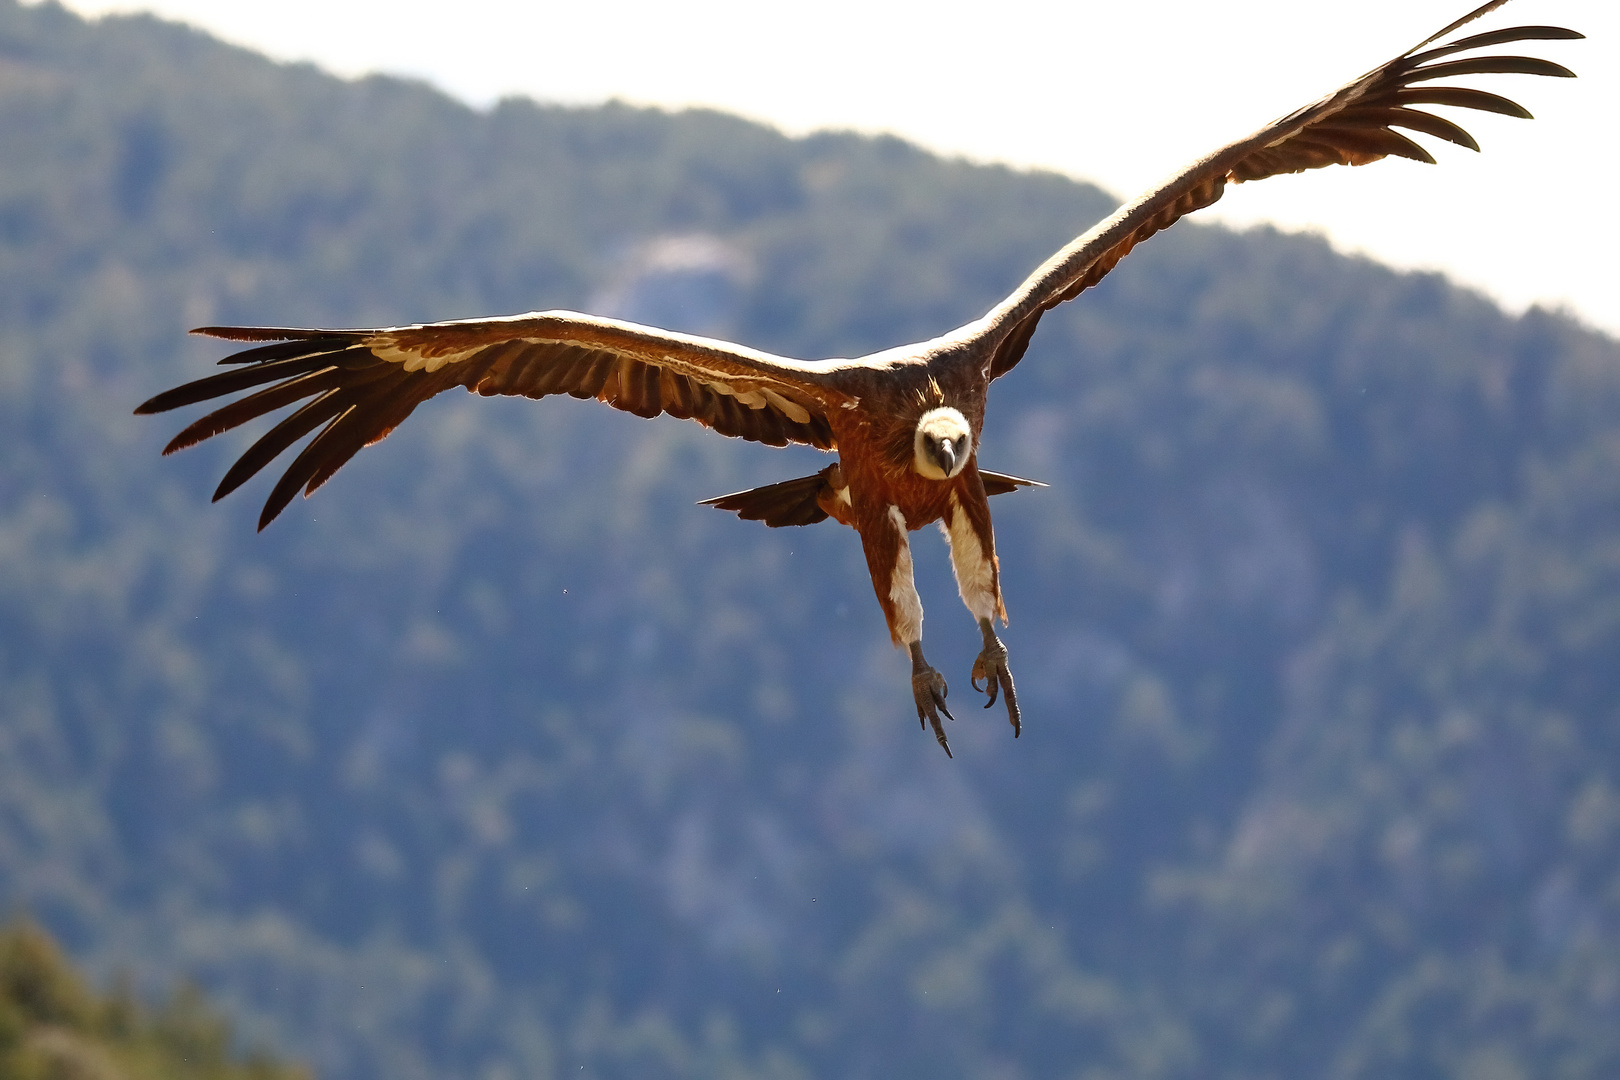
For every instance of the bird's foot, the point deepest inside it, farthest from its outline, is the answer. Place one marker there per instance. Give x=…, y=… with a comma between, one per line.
x=991, y=666
x=928, y=687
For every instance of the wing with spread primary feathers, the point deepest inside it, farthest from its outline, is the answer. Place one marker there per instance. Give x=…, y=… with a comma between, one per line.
x=1354, y=125
x=355, y=386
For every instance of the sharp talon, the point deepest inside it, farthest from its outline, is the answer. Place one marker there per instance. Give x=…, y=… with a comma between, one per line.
x=991, y=666
x=929, y=689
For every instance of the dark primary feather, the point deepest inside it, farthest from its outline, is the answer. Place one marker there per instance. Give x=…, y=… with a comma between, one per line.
x=1355, y=125
x=240, y=378
x=255, y=405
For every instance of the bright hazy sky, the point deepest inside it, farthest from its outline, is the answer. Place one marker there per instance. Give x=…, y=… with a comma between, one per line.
x=1114, y=92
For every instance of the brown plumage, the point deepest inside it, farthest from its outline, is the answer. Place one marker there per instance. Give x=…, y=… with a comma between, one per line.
x=905, y=423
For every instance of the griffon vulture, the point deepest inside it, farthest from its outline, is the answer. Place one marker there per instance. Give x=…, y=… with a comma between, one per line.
x=904, y=422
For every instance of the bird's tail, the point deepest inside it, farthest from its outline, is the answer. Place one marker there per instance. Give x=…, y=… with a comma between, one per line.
x=798, y=502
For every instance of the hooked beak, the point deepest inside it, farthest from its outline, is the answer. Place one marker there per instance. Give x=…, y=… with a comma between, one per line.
x=947, y=456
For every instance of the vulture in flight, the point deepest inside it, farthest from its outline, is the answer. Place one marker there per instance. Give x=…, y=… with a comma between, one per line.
x=905, y=422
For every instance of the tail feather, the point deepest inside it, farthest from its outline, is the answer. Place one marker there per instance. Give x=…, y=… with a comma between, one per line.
x=792, y=502
x=797, y=502
x=1000, y=483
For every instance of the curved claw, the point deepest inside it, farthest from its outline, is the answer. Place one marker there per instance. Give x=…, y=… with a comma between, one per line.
x=991, y=666
x=928, y=687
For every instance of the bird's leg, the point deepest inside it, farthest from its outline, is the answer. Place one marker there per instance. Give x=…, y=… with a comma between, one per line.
x=973, y=556
x=888, y=556
x=928, y=687
x=991, y=666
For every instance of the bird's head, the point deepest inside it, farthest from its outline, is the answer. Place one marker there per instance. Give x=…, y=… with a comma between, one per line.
x=942, y=444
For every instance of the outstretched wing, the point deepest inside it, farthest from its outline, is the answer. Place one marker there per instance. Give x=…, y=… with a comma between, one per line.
x=357, y=385
x=1352, y=126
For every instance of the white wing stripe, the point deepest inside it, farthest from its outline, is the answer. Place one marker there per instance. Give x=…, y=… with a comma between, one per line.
x=386, y=347
x=792, y=410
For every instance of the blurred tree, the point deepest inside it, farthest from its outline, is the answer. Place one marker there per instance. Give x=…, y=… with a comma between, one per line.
x=52, y=1027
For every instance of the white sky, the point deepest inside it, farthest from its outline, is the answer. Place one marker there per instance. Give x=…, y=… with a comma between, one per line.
x=1118, y=93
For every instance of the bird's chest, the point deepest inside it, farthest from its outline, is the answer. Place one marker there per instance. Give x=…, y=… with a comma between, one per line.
x=921, y=501
x=877, y=467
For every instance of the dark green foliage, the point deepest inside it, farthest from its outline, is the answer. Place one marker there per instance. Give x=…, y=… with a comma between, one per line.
x=499, y=757
x=52, y=1027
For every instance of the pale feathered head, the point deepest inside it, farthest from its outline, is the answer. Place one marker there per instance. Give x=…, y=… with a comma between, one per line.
x=942, y=444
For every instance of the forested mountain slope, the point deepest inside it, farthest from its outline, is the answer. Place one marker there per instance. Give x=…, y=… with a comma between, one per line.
x=54, y=1027
x=500, y=758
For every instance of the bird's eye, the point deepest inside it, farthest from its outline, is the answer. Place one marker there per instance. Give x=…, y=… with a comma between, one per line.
x=961, y=446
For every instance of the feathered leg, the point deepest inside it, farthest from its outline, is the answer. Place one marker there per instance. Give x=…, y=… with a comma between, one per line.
x=978, y=578
x=888, y=557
